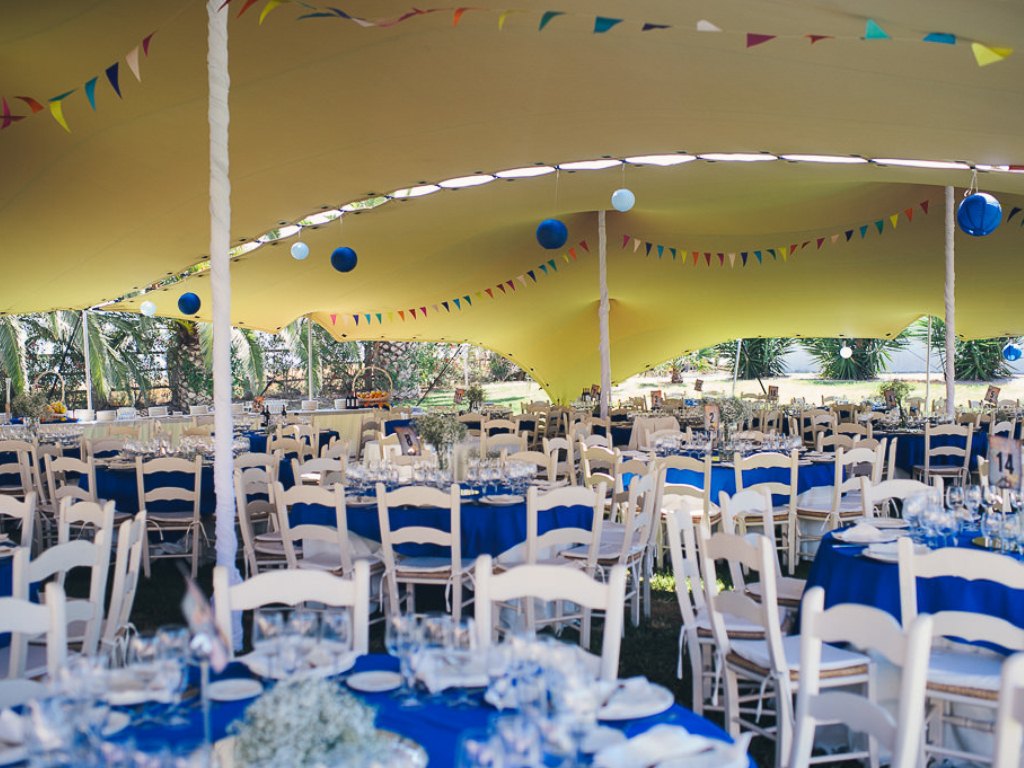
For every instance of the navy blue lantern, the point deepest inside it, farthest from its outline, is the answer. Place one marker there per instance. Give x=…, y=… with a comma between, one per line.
x=344, y=259
x=552, y=234
x=189, y=303
x=979, y=214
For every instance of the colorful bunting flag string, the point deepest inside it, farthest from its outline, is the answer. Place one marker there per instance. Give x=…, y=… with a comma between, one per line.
x=984, y=54
x=56, y=103
x=461, y=303
x=774, y=251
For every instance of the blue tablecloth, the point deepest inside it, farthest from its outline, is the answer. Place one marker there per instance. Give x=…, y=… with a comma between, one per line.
x=486, y=529
x=435, y=726
x=848, y=578
x=120, y=486
x=620, y=433
x=258, y=440
x=910, y=449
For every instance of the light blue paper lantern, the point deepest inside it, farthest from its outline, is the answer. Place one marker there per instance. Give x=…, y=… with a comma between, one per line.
x=300, y=251
x=148, y=308
x=1012, y=352
x=623, y=200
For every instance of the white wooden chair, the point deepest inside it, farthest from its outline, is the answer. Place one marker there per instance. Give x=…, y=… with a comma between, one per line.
x=157, y=411
x=103, y=447
x=23, y=513
x=564, y=467
x=269, y=462
x=874, y=631
x=78, y=519
x=954, y=461
x=289, y=446
x=960, y=674
x=62, y=476
x=1002, y=428
x=554, y=584
x=184, y=518
x=769, y=666
x=322, y=472
x=1010, y=714
x=495, y=444
x=599, y=464
x=676, y=495
x=336, y=449
x=131, y=541
x=544, y=462
x=25, y=619
x=879, y=499
x=292, y=587
x=783, y=465
x=651, y=438
x=854, y=430
x=452, y=572
x=257, y=521
x=834, y=442
x=825, y=509
x=17, y=458
x=752, y=508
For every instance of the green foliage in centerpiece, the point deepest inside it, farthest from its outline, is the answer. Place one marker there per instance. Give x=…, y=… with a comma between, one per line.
x=440, y=429
x=30, y=405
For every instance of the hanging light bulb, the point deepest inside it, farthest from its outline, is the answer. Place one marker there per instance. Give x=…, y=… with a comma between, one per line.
x=845, y=352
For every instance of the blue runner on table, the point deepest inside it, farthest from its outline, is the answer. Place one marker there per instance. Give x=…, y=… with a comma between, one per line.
x=435, y=726
x=486, y=529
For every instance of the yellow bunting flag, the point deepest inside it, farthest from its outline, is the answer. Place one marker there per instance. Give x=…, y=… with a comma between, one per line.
x=895, y=219
x=985, y=55
x=270, y=6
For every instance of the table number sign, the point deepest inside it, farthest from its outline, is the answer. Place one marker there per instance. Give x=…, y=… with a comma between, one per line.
x=657, y=400
x=1004, y=455
x=992, y=395
x=698, y=385
x=712, y=416
x=595, y=390
x=773, y=393
x=890, y=398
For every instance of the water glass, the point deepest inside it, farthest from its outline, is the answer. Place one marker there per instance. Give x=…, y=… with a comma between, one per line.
x=402, y=639
x=336, y=634
x=268, y=626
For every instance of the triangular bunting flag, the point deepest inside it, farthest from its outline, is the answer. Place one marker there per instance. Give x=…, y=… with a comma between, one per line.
x=744, y=257
x=940, y=37
x=707, y=258
x=792, y=249
x=458, y=303
x=648, y=247
x=248, y=4
x=145, y=43
x=880, y=226
x=758, y=255
x=603, y=23
x=985, y=55
x=863, y=231
x=756, y=39
x=721, y=259
x=732, y=259
x=1013, y=213
x=379, y=318
x=112, y=77
x=368, y=320
x=522, y=280
x=584, y=246
x=401, y=314
x=468, y=300
x=501, y=19
x=90, y=93
x=661, y=251
x=446, y=307
x=5, y=113
x=774, y=255
x=895, y=219
x=334, y=319
x=510, y=284
x=815, y=38
x=544, y=268
x=636, y=245
x=804, y=244
x=849, y=234
x=924, y=206
x=531, y=275
x=356, y=318
x=835, y=239
x=501, y=287
x=424, y=311
x=489, y=292
x=909, y=213
x=821, y=241
x=572, y=252
x=437, y=309
x=57, y=110
x=132, y=60
x=625, y=240
x=696, y=256
x=552, y=264
x=706, y=26
x=648, y=27
x=673, y=252
x=547, y=17
x=874, y=32
x=565, y=257
x=270, y=6
x=413, y=313
x=457, y=15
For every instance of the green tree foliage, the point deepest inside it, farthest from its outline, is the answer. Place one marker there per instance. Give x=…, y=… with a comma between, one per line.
x=973, y=360
x=759, y=358
x=870, y=357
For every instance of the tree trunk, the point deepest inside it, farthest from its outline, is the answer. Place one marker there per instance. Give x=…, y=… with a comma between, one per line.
x=186, y=371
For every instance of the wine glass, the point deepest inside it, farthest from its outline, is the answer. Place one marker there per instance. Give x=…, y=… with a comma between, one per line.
x=972, y=500
x=989, y=528
x=299, y=638
x=173, y=649
x=267, y=632
x=336, y=634
x=401, y=639
x=460, y=649
x=914, y=507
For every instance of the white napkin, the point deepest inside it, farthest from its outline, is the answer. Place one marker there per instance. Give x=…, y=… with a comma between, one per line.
x=12, y=730
x=439, y=670
x=864, y=532
x=662, y=742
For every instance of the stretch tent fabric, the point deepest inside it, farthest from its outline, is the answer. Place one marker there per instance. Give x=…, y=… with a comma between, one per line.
x=328, y=111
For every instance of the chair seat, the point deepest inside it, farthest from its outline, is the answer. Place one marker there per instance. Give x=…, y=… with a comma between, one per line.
x=429, y=567
x=945, y=470
x=790, y=591
x=963, y=673
x=272, y=537
x=849, y=505
x=753, y=656
x=735, y=627
x=170, y=518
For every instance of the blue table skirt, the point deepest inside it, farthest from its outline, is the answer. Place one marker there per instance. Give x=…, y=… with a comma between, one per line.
x=724, y=478
x=620, y=433
x=910, y=449
x=120, y=486
x=258, y=440
x=848, y=578
x=435, y=726
x=486, y=529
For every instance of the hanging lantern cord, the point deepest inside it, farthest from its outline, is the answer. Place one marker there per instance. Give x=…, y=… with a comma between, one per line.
x=973, y=185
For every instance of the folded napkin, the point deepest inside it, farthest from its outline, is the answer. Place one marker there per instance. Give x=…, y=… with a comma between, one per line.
x=12, y=730
x=864, y=532
x=660, y=743
x=439, y=669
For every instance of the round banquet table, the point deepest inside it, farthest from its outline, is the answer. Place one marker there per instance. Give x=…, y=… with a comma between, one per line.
x=849, y=578
x=435, y=725
x=910, y=448
x=486, y=529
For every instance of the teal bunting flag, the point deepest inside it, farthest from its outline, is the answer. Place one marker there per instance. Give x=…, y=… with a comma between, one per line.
x=603, y=23
x=547, y=17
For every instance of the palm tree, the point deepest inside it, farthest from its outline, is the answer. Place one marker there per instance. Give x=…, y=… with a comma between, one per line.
x=973, y=360
x=869, y=358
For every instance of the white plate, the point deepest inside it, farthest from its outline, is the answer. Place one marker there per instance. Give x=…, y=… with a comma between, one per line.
x=235, y=689
x=125, y=689
x=882, y=522
x=631, y=702
x=887, y=553
x=375, y=681
x=882, y=538
x=502, y=499
x=319, y=665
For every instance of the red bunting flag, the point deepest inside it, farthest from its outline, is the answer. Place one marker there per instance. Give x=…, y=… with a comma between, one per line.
x=424, y=311
x=792, y=249
x=34, y=105
x=584, y=246
x=510, y=284
x=756, y=39
x=696, y=256
x=489, y=292
x=145, y=43
x=820, y=241
x=707, y=258
x=457, y=16
x=401, y=314
x=334, y=319
x=248, y=4
x=815, y=38
x=909, y=213
x=625, y=240
x=924, y=206
x=721, y=259
x=572, y=252
x=413, y=311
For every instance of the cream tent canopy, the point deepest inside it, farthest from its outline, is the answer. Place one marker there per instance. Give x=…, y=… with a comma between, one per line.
x=327, y=111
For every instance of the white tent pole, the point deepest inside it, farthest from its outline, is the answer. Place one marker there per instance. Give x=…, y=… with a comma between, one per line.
x=602, y=314
x=86, y=356
x=309, y=357
x=736, y=367
x=950, y=308
x=465, y=366
x=220, y=283
x=928, y=368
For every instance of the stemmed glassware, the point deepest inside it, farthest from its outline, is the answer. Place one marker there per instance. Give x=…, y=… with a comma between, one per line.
x=173, y=651
x=336, y=634
x=402, y=639
x=268, y=627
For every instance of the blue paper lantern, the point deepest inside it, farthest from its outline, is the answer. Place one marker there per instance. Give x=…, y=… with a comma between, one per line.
x=189, y=303
x=300, y=251
x=1012, y=352
x=979, y=214
x=344, y=259
x=552, y=234
x=623, y=200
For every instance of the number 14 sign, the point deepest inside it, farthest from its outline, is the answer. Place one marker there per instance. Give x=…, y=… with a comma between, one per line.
x=1004, y=457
